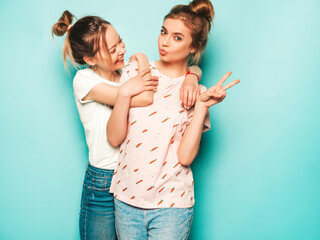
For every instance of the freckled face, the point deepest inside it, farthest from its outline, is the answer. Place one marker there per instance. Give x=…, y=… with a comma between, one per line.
x=112, y=58
x=174, y=41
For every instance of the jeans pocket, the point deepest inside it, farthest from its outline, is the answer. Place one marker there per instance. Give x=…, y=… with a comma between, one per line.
x=97, y=194
x=99, y=184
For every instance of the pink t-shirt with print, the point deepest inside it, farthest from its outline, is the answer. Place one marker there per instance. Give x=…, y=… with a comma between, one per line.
x=148, y=174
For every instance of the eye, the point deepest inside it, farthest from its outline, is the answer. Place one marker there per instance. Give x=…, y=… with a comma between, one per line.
x=163, y=32
x=177, y=38
x=112, y=51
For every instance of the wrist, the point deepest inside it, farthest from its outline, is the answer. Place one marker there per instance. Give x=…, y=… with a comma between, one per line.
x=124, y=92
x=191, y=80
x=189, y=73
x=200, y=106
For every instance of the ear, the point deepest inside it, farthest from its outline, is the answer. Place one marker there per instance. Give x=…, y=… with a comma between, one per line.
x=193, y=49
x=90, y=60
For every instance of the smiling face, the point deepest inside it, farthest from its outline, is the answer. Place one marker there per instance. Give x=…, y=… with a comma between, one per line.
x=174, y=41
x=111, y=59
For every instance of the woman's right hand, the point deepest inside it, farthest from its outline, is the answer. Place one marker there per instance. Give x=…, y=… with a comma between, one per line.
x=138, y=84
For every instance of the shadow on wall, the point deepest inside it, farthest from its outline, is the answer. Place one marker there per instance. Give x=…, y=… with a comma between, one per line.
x=206, y=162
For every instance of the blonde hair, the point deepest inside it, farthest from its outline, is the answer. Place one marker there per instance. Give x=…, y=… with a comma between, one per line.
x=198, y=17
x=83, y=38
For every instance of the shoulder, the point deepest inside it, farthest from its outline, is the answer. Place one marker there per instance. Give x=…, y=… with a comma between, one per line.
x=128, y=71
x=85, y=79
x=84, y=72
x=82, y=75
x=130, y=66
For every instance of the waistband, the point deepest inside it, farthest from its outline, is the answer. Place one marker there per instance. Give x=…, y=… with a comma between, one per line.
x=99, y=171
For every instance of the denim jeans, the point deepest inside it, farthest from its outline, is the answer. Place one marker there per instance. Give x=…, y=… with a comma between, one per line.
x=97, y=205
x=161, y=223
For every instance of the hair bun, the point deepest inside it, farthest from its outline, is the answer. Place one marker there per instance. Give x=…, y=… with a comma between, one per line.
x=62, y=26
x=202, y=8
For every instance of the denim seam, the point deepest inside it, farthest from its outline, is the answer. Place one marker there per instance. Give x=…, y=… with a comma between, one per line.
x=85, y=224
x=115, y=218
x=145, y=219
x=86, y=210
x=190, y=224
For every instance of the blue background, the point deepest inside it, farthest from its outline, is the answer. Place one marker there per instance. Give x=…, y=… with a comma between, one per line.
x=257, y=176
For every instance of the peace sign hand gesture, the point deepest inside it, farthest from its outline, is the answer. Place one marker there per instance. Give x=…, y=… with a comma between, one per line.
x=216, y=93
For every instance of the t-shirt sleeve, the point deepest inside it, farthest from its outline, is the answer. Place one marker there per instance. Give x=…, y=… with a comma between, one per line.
x=206, y=123
x=129, y=71
x=82, y=84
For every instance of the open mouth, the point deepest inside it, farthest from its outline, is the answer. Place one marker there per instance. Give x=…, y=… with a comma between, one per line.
x=119, y=60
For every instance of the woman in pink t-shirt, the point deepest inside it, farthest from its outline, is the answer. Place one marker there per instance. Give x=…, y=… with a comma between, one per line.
x=153, y=182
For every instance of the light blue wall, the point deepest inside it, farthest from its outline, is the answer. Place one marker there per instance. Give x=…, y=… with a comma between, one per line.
x=258, y=173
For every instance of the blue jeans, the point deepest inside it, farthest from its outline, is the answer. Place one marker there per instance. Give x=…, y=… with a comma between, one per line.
x=97, y=205
x=161, y=223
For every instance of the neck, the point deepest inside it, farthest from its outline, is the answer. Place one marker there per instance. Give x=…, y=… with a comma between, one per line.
x=108, y=75
x=172, y=69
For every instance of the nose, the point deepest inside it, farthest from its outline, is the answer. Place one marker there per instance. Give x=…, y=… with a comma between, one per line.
x=165, y=41
x=122, y=51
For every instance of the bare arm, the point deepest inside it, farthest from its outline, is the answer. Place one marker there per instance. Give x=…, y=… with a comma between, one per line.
x=107, y=94
x=189, y=145
x=145, y=98
x=195, y=70
x=189, y=90
x=118, y=122
x=117, y=125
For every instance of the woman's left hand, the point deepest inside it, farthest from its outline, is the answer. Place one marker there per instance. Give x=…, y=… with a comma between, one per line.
x=216, y=93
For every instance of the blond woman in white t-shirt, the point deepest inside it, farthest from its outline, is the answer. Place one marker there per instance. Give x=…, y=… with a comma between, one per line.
x=93, y=42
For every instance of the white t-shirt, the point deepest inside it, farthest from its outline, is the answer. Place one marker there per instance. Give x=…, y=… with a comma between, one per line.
x=94, y=117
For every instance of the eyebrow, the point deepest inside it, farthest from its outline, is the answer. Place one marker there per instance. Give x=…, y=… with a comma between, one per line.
x=115, y=44
x=176, y=33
